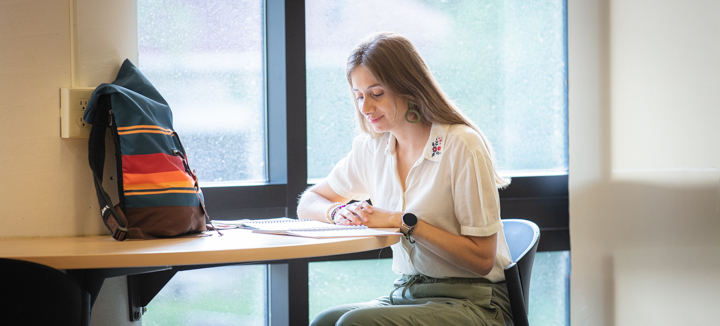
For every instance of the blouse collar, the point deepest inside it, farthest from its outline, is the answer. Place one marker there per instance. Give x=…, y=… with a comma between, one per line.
x=434, y=147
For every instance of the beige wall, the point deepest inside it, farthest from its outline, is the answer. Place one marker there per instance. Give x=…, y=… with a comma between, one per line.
x=644, y=113
x=45, y=183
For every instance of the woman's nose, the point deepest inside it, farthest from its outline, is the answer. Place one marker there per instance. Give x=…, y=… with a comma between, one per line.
x=366, y=107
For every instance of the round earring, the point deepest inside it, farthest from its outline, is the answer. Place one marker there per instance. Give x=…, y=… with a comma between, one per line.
x=412, y=108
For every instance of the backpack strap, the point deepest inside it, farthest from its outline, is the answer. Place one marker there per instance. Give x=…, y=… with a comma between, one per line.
x=113, y=219
x=208, y=222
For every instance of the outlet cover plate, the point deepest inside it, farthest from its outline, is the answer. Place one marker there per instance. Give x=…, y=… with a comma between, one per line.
x=73, y=102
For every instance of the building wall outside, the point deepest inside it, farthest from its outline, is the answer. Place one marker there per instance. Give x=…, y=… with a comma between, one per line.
x=644, y=162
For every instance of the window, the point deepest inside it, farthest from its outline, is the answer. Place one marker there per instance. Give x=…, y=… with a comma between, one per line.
x=503, y=62
x=207, y=60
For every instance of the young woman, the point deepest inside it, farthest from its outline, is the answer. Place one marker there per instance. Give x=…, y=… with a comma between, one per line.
x=428, y=170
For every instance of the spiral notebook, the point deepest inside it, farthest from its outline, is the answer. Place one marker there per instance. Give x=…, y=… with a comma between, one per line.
x=304, y=228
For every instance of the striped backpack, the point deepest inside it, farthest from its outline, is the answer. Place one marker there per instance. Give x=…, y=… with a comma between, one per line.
x=158, y=193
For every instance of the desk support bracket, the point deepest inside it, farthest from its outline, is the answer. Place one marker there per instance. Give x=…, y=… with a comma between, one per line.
x=91, y=280
x=142, y=288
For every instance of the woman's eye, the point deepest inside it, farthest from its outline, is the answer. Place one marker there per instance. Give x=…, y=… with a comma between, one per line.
x=378, y=94
x=359, y=98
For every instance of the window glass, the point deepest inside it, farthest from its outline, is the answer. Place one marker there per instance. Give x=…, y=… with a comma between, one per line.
x=206, y=59
x=550, y=289
x=230, y=295
x=503, y=63
x=334, y=283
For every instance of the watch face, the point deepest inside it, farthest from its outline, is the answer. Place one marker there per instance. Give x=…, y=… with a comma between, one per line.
x=409, y=219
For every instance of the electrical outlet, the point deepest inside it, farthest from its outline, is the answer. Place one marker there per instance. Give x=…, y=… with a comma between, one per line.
x=73, y=102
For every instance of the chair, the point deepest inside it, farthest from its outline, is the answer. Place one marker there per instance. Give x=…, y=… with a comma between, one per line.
x=34, y=294
x=522, y=237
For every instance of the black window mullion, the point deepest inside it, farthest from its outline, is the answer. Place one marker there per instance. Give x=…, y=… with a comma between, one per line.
x=249, y=201
x=296, y=148
x=296, y=102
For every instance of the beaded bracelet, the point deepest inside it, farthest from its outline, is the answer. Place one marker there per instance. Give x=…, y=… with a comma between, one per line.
x=337, y=209
x=330, y=209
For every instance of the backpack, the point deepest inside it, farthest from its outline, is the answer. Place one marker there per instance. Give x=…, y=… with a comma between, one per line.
x=159, y=193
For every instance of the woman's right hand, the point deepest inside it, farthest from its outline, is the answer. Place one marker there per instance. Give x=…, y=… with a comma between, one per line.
x=362, y=213
x=354, y=214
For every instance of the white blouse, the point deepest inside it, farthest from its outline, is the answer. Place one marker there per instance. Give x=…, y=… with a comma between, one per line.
x=451, y=186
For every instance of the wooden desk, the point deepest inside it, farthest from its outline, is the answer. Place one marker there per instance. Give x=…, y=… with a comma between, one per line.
x=236, y=246
x=150, y=264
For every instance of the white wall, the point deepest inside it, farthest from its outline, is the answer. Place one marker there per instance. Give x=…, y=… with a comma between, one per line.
x=45, y=182
x=644, y=113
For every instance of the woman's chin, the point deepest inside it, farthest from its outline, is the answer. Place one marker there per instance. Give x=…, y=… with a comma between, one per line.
x=378, y=129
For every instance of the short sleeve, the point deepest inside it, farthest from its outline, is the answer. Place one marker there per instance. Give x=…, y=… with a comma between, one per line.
x=348, y=177
x=477, y=203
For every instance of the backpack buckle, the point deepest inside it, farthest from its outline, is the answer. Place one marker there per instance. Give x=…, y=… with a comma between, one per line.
x=120, y=233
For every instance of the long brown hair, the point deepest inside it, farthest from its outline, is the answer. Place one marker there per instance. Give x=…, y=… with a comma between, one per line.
x=395, y=63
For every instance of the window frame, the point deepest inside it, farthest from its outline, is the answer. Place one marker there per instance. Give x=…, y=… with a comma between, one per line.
x=541, y=199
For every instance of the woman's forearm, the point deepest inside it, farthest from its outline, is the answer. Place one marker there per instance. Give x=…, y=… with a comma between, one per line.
x=315, y=202
x=473, y=253
x=476, y=254
x=313, y=206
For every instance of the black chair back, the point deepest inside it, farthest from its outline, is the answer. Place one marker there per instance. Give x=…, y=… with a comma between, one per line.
x=34, y=294
x=522, y=237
